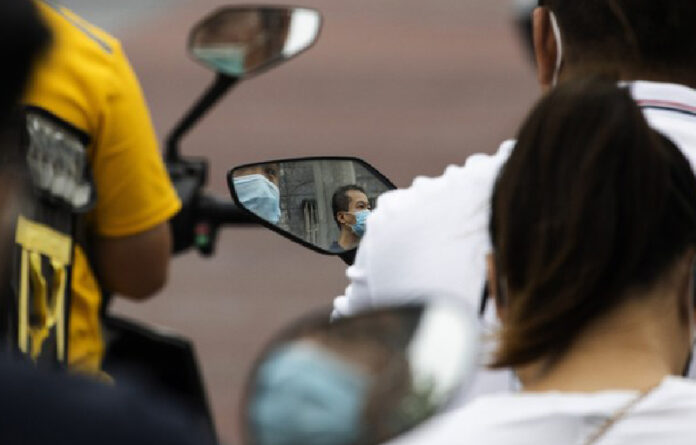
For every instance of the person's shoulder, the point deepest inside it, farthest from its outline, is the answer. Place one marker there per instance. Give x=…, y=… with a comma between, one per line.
x=85, y=41
x=35, y=401
x=463, y=187
x=468, y=424
x=678, y=393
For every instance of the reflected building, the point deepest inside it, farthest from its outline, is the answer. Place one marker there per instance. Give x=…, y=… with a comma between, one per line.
x=307, y=191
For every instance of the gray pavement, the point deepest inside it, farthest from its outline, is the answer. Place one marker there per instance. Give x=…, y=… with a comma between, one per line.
x=409, y=85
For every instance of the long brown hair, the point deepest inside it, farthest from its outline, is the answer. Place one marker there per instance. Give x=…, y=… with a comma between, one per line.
x=591, y=204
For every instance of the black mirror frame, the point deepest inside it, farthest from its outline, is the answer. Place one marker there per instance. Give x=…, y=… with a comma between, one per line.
x=266, y=66
x=348, y=254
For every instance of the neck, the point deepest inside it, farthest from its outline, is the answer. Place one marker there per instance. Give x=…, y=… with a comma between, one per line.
x=348, y=239
x=631, y=350
x=623, y=73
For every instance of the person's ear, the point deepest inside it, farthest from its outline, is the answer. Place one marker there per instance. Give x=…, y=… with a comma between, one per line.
x=545, y=47
x=345, y=218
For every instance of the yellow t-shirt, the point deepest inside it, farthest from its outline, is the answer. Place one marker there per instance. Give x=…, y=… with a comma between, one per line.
x=87, y=81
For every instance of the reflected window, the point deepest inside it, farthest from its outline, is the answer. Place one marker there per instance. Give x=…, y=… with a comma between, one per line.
x=311, y=221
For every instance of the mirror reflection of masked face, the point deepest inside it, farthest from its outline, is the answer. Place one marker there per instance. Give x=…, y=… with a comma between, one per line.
x=257, y=190
x=338, y=384
x=306, y=394
x=351, y=208
x=240, y=41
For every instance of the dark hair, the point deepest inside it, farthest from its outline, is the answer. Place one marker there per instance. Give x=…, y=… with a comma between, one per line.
x=648, y=37
x=591, y=205
x=340, y=201
x=22, y=38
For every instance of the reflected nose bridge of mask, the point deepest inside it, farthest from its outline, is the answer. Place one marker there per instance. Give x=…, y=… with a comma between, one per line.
x=45, y=258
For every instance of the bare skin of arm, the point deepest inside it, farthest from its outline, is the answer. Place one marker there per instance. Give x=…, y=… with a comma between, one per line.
x=135, y=267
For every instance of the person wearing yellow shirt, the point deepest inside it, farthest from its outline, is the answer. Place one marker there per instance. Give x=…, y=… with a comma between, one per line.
x=86, y=83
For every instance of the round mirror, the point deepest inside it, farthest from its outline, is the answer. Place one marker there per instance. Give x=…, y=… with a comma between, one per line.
x=240, y=41
x=360, y=380
x=322, y=203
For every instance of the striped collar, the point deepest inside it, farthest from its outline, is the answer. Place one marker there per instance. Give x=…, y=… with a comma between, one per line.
x=664, y=96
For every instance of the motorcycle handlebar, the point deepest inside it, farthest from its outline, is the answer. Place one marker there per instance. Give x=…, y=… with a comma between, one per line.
x=222, y=212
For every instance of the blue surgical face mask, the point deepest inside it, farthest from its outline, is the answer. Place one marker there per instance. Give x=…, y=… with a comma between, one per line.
x=259, y=195
x=360, y=219
x=230, y=59
x=306, y=395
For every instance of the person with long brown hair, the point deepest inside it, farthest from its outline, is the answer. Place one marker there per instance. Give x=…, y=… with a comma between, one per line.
x=432, y=237
x=593, y=227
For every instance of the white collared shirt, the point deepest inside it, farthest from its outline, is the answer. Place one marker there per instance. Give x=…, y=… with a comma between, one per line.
x=667, y=415
x=432, y=238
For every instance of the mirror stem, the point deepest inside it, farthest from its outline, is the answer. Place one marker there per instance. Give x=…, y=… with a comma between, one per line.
x=215, y=92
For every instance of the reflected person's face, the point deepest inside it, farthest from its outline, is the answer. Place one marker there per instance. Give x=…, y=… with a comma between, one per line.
x=358, y=202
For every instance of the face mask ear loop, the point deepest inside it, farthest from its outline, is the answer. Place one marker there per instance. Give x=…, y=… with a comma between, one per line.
x=559, y=47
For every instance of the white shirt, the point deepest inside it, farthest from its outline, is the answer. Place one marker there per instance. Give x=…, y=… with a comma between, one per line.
x=432, y=238
x=667, y=415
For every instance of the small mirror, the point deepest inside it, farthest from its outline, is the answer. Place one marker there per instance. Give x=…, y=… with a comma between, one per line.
x=240, y=41
x=360, y=380
x=322, y=203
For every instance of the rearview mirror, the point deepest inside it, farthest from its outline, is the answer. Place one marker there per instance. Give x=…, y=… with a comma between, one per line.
x=241, y=41
x=321, y=203
x=360, y=380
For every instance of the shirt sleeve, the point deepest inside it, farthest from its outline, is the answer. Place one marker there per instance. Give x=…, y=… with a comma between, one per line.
x=134, y=193
x=426, y=241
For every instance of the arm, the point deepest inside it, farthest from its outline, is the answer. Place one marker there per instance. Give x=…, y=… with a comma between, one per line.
x=357, y=293
x=426, y=241
x=135, y=266
x=135, y=198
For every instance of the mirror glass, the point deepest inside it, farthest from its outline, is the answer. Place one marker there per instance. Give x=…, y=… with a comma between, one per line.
x=359, y=380
x=239, y=41
x=322, y=202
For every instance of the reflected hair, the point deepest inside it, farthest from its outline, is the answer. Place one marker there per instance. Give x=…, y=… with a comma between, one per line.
x=591, y=205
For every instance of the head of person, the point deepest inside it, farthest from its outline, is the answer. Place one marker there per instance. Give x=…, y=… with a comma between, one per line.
x=593, y=225
x=257, y=189
x=350, y=207
x=23, y=38
x=628, y=39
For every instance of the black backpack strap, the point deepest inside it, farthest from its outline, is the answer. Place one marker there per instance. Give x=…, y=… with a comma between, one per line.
x=60, y=190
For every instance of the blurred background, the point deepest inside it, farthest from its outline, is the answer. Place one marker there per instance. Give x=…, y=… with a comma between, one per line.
x=410, y=86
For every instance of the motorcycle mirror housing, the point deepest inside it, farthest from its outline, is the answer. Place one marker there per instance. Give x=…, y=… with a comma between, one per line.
x=321, y=202
x=241, y=41
x=359, y=380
